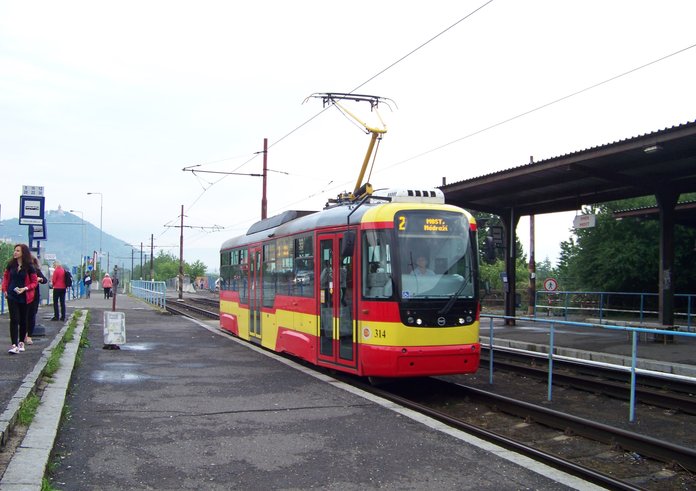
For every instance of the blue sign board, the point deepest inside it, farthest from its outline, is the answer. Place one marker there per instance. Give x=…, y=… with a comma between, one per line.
x=31, y=210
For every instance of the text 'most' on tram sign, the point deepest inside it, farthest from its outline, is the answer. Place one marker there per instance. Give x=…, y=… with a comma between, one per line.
x=435, y=225
x=431, y=223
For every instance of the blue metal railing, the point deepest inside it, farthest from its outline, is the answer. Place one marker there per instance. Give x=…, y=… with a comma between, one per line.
x=153, y=292
x=632, y=330
x=70, y=294
x=632, y=304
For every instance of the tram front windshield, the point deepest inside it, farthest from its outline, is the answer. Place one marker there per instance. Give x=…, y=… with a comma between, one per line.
x=435, y=255
x=431, y=259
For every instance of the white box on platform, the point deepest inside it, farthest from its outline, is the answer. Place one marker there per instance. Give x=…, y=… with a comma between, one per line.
x=114, y=327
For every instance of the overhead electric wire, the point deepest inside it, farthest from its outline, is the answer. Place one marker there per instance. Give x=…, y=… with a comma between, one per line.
x=543, y=106
x=421, y=46
x=512, y=118
x=297, y=128
x=439, y=147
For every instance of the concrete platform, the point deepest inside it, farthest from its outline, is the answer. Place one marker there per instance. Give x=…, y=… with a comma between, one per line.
x=184, y=406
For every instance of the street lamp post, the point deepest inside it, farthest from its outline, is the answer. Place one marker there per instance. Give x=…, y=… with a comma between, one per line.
x=101, y=216
x=132, y=248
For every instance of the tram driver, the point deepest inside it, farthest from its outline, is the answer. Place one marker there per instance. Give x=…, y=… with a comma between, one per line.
x=421, y=268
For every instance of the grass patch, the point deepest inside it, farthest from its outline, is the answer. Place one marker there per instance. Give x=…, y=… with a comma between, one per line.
x=46, y=485
x=27, y=409
x=53, y=363
x=84, y=341
x=51, y=367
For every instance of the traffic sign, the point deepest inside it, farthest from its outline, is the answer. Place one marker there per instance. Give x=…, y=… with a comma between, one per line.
x=550, y=284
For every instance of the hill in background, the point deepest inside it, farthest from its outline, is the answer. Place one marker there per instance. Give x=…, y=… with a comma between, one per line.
x=68, y=240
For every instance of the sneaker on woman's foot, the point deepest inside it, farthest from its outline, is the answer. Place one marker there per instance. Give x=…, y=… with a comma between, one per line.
x=21, y=346
x=13, y=350
x=28, y=340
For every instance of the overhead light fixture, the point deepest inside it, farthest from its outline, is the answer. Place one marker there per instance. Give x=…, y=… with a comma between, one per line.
x=652, y=149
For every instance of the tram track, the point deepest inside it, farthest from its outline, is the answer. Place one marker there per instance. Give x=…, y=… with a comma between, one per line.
x=653, y=390
x=605, y=455
x=498, y=438
x=660, y=381
x=187, y=308
x=609, y=456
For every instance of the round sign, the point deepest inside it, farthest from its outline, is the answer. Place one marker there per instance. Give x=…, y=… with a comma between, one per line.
x=550, y=284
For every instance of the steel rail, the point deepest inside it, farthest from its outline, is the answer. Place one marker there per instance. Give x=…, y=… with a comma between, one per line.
x=642, y=444
x=554, y=461
x=662, y=380
x=615, y=389
x=185, y=309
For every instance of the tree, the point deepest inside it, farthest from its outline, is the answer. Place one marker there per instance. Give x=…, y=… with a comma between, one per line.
x=166, y=266
x=198, y=268
x=6, y=250
x=488, y=253
x=623, y=255
x=567, y=262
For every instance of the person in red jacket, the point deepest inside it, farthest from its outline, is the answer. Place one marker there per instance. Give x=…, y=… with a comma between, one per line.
x=19, y=284
x=107, y=283
x=58, y=281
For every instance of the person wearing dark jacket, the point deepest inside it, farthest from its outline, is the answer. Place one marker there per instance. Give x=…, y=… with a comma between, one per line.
x=19, y=284
x=34, y=307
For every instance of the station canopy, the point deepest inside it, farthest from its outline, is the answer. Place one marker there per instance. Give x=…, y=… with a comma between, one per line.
x=660, y=162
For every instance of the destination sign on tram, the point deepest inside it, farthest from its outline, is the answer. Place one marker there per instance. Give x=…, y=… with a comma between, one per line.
x=435, y=223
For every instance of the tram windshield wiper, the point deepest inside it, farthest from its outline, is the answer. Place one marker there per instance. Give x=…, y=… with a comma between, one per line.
x=448, y=306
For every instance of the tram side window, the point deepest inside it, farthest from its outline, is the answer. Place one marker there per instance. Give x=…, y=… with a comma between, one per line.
x=284, y=262
x=269, y=274
x=241, y=276
x=376, y=264
x=225, y=270
x=234, y=276
x=303, y=267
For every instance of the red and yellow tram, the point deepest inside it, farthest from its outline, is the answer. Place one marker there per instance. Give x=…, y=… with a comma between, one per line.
x=382, y=287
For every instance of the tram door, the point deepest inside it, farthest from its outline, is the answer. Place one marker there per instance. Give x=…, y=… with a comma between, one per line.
x=255, y=292
x=336, y=302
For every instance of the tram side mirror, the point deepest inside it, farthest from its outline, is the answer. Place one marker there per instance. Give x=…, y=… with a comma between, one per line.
x=348, y=244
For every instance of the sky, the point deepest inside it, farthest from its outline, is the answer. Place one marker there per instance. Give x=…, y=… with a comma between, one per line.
x=118, y=97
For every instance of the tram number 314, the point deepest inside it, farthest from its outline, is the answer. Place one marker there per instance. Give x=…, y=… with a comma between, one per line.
x=377, y=333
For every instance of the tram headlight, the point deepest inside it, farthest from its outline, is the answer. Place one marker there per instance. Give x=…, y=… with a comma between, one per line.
x=469, y=319
x=410, y=320
x=419, y=322
x=461, y=321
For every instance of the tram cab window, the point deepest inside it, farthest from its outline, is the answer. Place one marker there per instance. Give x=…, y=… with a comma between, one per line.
x=376, y=265
x=435, y=255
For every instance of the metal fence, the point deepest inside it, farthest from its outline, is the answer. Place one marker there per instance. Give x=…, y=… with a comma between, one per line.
x=153, y=292
x=633, y=332
x=613, y=306
x=71, y=293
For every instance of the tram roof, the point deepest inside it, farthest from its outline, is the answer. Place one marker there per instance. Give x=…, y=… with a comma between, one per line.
x=295, y=222
x=661, y=161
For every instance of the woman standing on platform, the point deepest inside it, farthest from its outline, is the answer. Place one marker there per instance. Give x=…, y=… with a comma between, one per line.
x=107, y=283
x=19, y=283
